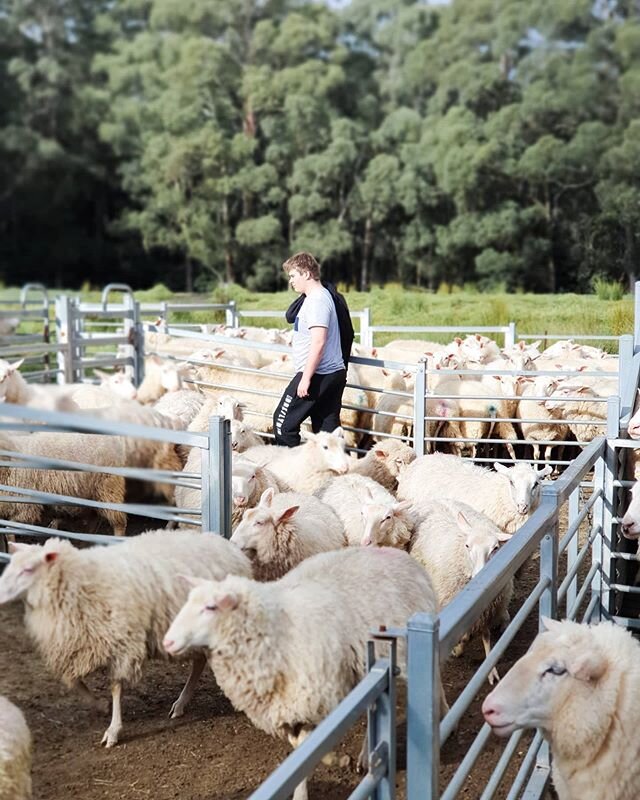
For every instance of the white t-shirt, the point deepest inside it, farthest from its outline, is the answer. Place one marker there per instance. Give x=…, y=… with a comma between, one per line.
x=317, y=310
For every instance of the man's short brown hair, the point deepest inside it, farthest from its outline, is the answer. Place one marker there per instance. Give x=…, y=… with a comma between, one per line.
x=303, y=262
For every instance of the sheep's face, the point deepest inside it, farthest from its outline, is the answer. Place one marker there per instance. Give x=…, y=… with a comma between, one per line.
x=195, y=625
x=28, y=564
x=395, y=458
x=634, y=424
x=230, y=408
x=327, y=450
x=121, y=385
x=385, y=525
x=243, y=485
x=631, y=521
x=6, y=372
x=257, y=533
x=242, y=437
x=524, y=484
x=556, y=675
x=480, y=543
x=568, y=392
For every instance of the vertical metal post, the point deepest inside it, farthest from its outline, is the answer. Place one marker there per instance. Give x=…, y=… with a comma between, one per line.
x=572, y=547
x=365, y=328
x=627, y=393
x=64, y=338
x=549, y=559
x=231, y=315
x=138, y=345
x=46, y=338
x=636, y=316
x=610, y=538
x=510, y=335
x=419, y=397
x=602, y=578
x=381, y=726
x=216, y=478
x=423, y=707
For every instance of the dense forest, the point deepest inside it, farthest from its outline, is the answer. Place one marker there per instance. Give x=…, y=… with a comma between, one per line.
x=192, y=142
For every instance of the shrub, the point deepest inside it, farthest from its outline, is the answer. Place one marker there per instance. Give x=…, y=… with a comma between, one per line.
x=606, y=289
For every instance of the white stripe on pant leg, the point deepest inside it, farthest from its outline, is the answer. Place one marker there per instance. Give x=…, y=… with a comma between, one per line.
x=283, y=413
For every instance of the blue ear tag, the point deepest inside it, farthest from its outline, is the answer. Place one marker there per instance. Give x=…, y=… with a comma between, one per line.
x=295, y=323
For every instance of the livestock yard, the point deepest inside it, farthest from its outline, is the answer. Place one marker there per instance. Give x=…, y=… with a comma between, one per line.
x=119, y=417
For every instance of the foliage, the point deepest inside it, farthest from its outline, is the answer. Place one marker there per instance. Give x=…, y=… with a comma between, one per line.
x=199, y=143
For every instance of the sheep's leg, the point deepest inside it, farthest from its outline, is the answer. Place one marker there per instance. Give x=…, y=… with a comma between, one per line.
x=301, y=792
x=494, y=676
x=444, y=705
x=458, y=650
x=110, y=737
x=536, y=452
x=89, y=697
x=197, y=665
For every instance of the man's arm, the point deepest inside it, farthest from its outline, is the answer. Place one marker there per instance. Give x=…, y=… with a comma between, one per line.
x=318, y=341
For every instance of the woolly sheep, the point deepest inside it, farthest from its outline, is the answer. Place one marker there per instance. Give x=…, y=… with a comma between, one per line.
x=161, y=377
x=184, y=404
x=384, y=463
x=95, y=486
x=453, y=542
x=307, y=467
x=548, y=428
x=248, y=482
x=15, y=753
x=243, y=437
x=582, y=406
x=579, y=685
x=250, y=650
x=633, y=428
x=508, y=496
x=284, y=529
x=108, y=607
x=347, y=496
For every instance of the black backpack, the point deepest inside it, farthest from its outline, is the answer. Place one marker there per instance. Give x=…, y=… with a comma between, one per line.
x=347, y=334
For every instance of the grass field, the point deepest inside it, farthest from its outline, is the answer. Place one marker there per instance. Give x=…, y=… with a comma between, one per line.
x=393, y=305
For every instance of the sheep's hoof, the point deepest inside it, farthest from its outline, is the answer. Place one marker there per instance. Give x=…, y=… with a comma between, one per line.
x=494, y=677
x=362, y=764
x=177, y=710
x=458, y=650
x=110, y=738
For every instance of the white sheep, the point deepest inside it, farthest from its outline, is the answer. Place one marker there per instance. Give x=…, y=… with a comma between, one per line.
x=248, y=482
x=15, y=753
x=508, y=496
x=161, y=377
x=347, y=496
x=94, y=486
x=284, y=529
x=288, y=677
x=185, y=404
x=581, y=404
x=579, y=685
x=108, y=607
x=384, y=463
x=307, y=467
x=243, y=436
x=548, y=427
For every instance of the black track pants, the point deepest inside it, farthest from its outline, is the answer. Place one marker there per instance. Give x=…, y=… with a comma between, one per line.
x=322, y=405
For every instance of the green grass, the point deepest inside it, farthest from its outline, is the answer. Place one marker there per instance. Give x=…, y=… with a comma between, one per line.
x=393, y=305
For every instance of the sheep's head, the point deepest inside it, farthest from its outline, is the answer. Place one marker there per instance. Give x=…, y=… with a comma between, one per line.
x=630, y=524
x=119, y=383
x=327, y=450
x=482, y=541
x=257, y=534
x=524, y=484
x=387, y=524
x=558, y=672
x=230, y=408
x=29, y=563
x=209, y=609
x=244, y=480
x=7, y=370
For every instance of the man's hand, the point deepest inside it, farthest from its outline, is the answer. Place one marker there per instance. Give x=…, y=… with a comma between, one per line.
x=303, y=387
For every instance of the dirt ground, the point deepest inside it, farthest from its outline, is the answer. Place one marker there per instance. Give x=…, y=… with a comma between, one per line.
x=212, y=753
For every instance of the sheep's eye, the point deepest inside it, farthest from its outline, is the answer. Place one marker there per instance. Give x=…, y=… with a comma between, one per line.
x=387, y=518
x=467, y=546
x=212, y=607
x=258, y=522
x=325, y=447
x=27, y=570
x=555, y=669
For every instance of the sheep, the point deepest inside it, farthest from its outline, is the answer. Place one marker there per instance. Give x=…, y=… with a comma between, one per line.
x=579, y=685
x=161, y=377
x=95, y=486
x=633, y=428
x=9, y=325
x=452, y=541
x=15, y=753
x=185, y=404
x=508, y=496
x=548, y=428
x=288, y=677
x=248, y=482
x=307, y=467
x=582, y=407
x=243, y=437
x=384, y=463
x=284, y=529
x=108, y=607
x=347, y=496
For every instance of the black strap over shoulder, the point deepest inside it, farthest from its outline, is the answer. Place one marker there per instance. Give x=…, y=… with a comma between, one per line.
x=347, y=334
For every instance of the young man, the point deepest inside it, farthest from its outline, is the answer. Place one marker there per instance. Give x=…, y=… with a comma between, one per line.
x=316, y=390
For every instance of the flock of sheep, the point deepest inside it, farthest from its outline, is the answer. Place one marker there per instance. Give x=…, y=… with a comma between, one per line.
x=317, y=535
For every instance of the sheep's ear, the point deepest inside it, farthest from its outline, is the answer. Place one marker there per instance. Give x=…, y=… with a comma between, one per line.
x=51, y=556
x=385, y=371
x=402, y=506
x=535, y=344
x=549, y=624
x=463, y=523
x=16, y=547
x=218, y=353
x=16, y=365
x=227, y=602
x=501, y=468
x=287, y=514
x=544, y=471
x=266, y=498
x=338, y=432
x=101, y=374
x=589, y=666
x=380, y=453
x=503, y=537
x=374, y=353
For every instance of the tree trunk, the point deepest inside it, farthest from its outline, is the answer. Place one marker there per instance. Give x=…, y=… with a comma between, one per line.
x=630, y=256
x=188, y=274
x=551, y=267
x=229, y=271
x=366, y=251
